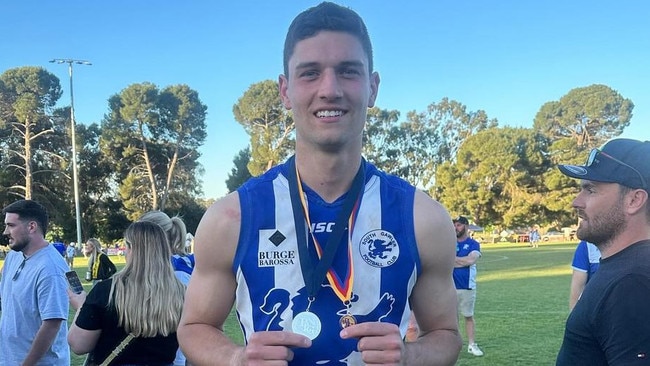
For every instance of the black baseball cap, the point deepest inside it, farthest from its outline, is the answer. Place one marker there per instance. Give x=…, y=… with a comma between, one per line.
x=622, y=161
x=462, y=219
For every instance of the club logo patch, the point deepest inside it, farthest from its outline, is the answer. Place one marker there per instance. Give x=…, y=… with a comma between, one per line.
x=379, y=248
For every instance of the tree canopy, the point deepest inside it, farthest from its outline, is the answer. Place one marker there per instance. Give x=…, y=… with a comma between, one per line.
x=152, y=137
x=270, y=126
x=588, y=115
x=495, y=178
x=27, y=95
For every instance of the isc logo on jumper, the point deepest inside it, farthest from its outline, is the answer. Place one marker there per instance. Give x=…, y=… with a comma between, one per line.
x=379, y=248
x=322, y=227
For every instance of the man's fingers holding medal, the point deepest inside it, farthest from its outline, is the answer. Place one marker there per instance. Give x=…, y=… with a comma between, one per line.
x=379, y=343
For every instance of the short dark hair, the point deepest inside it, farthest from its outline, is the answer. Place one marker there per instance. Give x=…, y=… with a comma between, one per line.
x=326, y=16
x=29, y=210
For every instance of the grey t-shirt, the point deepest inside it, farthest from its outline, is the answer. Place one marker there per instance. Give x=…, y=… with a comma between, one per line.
x=38, y=293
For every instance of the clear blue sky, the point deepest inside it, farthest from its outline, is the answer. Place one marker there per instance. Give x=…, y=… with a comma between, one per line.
x=505, y=57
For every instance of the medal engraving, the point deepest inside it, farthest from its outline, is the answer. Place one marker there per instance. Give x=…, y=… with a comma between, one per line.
x=307, y=324
x=347, y=320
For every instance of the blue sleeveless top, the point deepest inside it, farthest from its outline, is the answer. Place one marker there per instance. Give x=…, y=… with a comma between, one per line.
x=270, y=285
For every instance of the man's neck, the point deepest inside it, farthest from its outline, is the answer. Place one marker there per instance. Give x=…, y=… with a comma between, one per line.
x=330, y=176
x=461, y=238
x=34, y=246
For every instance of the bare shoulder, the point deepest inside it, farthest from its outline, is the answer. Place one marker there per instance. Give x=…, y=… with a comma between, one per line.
x=218, y=229
x=434, y=230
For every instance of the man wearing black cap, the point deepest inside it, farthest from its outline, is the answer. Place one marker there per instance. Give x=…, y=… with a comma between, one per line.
x=468, y=251
x=610, y=324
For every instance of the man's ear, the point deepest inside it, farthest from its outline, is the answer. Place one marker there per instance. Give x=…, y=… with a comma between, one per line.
x=32, y=226
x=283, y=85
x=636, y=201
x=374, y=89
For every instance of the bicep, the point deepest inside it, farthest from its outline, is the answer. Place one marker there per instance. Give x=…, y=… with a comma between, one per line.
x=434, y=297
x=211, y=290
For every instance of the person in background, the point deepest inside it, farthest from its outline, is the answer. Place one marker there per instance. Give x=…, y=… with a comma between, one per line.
x=610, y=321
x=70, y=252
x=586, y=260
x=468, y=251
x=100, y=266
x=189, y=243
x=324, y=256
x=144, y=300
x=182, y=262
x=176, y=231
x=33, y=286
x=60, y=247
x=534, y=237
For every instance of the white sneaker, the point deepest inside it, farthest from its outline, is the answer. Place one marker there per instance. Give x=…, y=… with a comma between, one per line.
x=473, y=349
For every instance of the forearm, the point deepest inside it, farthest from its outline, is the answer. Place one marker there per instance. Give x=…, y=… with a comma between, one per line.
x=578, y=282
x=203, y=344
x=573, y=299
x=463, y=262
x=43, y=341
x=77, y=341
x=437, y=348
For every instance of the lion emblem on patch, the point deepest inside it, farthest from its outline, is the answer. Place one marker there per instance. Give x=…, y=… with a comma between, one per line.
x=379, y=248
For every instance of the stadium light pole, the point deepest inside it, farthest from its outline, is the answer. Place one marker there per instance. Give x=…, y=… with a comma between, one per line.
x=75, y=178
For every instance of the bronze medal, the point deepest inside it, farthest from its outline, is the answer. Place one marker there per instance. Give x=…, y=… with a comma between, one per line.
x=347, y=320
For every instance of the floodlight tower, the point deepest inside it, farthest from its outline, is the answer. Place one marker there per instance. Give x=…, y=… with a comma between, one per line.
x=75, y=178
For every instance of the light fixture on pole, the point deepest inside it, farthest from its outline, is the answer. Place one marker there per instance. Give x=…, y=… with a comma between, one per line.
x=75, y=178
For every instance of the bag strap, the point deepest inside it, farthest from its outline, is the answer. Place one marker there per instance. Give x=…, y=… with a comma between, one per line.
x=116, y=352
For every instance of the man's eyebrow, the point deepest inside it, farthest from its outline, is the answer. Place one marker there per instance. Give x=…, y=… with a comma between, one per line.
x=305, y=65
x=310, y=64
x=587, y=184
x=352, y=63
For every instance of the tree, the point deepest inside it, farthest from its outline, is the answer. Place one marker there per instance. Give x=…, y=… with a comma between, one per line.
x=496, y=177
x=379, y=139
x=456, y=125
x=270, y=126
x=102, y=213
x=153, y=138
x=581, y=120
x=239, y=173
x=452, y=124
x=589, y=116
x=404, y=149
x=415, y=148
x=28, y=94
x=183, y=121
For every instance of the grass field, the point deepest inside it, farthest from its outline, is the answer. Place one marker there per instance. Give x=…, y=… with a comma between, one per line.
x=522, y=304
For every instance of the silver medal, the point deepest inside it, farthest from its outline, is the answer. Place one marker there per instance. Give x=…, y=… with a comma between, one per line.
x=307, y=324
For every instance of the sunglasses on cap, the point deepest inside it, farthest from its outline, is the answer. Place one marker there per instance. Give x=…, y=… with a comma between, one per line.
x=596, y=153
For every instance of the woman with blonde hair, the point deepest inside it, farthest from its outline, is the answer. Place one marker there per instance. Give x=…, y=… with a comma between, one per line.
x=182, y=262
x=100, y=266
x=176, y=232
x=144, y=300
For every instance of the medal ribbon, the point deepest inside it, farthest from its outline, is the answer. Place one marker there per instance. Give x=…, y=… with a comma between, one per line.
x=314, y=277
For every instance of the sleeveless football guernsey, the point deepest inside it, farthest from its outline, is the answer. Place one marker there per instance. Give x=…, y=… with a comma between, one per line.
x=270, y=285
